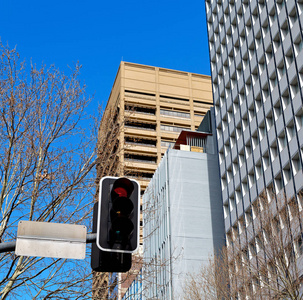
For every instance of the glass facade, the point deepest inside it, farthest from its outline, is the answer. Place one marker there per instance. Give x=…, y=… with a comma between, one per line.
x=134, y=292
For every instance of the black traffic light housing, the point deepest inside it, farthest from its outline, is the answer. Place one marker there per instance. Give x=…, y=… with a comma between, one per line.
x=118, y=215
x=104, y=261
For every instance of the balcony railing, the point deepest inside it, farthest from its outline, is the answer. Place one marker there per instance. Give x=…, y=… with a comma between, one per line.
x=141, y=144
x=140, y=160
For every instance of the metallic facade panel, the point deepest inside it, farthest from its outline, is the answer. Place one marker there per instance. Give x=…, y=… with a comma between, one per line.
x=274, y=65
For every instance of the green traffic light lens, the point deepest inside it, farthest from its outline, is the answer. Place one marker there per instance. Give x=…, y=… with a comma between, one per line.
x=121, y=229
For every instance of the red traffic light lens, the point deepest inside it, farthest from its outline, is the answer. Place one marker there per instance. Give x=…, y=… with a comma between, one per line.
x=123, y=187
x=120, y=191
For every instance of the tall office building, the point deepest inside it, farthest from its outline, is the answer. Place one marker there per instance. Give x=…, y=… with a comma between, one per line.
x=153, y=105
x=257, y=75
x=146, y=110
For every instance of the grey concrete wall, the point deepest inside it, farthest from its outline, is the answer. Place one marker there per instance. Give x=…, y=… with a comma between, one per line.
x=189, y=225
x=195, y=212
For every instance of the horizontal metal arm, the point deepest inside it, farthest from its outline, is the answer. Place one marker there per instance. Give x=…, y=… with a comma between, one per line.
x=10, y=246
x=91, y=238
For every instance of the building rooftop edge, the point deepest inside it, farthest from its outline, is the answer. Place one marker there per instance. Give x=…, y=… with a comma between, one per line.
x=162, y=68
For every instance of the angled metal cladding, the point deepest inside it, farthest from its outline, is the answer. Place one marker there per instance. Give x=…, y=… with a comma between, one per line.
x=256, y=54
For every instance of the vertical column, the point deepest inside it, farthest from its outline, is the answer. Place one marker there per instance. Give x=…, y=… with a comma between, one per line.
x=158, y=129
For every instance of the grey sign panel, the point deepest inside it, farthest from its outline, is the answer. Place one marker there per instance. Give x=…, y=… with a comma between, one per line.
x=51, y=240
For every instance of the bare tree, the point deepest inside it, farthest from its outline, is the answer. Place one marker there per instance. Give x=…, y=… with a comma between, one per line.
x=263, y=258
x=211, y=282
x=108, y=164
x=46, y=164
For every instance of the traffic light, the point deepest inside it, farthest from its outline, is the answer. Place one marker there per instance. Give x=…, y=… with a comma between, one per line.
x=118, y=215
x=104, y=261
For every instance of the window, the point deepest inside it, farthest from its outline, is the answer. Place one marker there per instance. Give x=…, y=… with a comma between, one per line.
x=299, y=119
x=265, y=236
x=282, y=140
x=141, y=142
x=259, y=243
x=241, y=225
x=287, y=174
x=252, y=249
x=172, y=113
x=247, y=150
x=289, y=58
x=298, y=43
x=229, y=240
x=276, y=42
x=142, y=110
x=140, y=158
x=244, y=122
x=245, y=254
x=285, y=99
x=262, y=131
x=300, y=202
x=254, y=210
x=235, y=232
x=226, y=210
x=278, y=183
x=269, y=121
x=273, y=151
x=268, y=54
x=235, y=167
x=223, y=182
x=265, y=160
x=259, y=169
x=232, y=203
x=255, y=140
x=251, y=112
x=281, y=70
x=241, y=158
x=258, y=102
x=300, y=246
x=251, y=179
x=168, y=144
x=276, y=225
x=248, y=217
x=172, y=128
x=226, y=150
x=294, y=88
x=296, y=164
x=238, y=131
x=229, y=175
x=290, y=131
x=140, y=125
x=277, y=110
x=292, y=17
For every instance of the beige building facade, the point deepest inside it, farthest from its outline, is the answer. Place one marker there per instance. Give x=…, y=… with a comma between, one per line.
x=154, y=105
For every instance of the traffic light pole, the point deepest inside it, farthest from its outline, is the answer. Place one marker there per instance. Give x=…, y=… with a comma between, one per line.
x=10, y=246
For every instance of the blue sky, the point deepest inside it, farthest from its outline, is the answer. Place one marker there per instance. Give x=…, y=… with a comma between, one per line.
x=99, y=34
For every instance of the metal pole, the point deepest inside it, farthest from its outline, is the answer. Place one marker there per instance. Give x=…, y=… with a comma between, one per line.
x=10, y=246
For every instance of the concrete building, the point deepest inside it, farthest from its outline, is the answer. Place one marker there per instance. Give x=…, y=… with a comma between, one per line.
x=153, y=105
x=256, y=54
x=183, y=215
